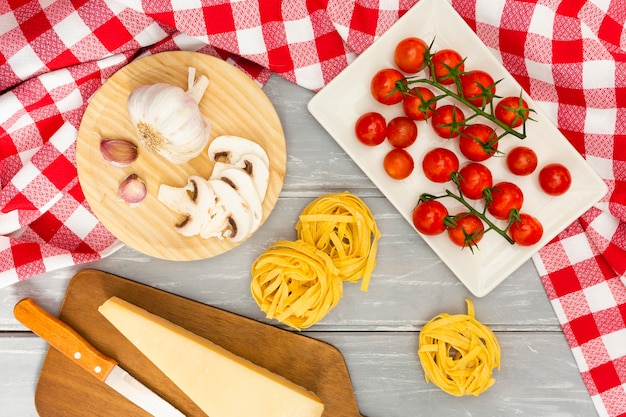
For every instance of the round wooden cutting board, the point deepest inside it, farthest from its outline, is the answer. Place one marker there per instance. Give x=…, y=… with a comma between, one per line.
x=234, y=104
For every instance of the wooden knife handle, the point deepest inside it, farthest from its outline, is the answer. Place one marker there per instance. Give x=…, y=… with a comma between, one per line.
x=63, y=338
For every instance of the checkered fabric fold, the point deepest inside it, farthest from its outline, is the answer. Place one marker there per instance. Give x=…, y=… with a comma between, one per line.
x=569, y=56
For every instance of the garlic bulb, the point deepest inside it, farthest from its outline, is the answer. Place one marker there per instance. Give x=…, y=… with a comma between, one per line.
x=168, y=119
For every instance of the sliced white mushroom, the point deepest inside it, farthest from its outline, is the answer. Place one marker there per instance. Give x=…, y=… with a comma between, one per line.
x=254, y=166
x=230, y=203
x=216, y=224
x=258, y=171
x=194, y=200
x=239, y=214
x=230, y=149
x=243, y=184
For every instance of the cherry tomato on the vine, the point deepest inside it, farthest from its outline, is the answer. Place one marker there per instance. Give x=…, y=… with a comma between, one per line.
x=439, y=163
x=398, y=164
x=428, y=217
x=473, y=179
x=419, y=103
x=505, y=196
x=409, y=54
x=401, y=132
x=478, y=142
x=521, y=160
x=467, y=230
x=477, y=87
x=383, y=86
x=555, y=179
x=447, y=121
x=371, y=128
x=512, y=111
x=526, y=231
x=446, y=62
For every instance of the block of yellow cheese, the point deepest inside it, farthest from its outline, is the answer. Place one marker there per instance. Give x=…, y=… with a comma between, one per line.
x=221, y=383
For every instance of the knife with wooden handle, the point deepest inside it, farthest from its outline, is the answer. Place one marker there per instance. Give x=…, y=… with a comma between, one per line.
x=69, y=342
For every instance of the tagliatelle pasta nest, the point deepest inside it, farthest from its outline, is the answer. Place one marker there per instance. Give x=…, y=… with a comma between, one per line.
x=298, y=283
x=458, y=353
x=295, y=283
x=344, y=227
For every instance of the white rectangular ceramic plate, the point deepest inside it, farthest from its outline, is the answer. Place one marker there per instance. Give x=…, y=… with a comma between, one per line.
x=344, y=99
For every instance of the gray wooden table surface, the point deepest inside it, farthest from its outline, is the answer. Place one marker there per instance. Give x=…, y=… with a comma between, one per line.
x=376, y=331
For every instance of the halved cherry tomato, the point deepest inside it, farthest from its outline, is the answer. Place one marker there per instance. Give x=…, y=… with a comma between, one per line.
x=473, y=179
x=447, y=121
x=478, y=142
x=505, y=196
x=447, y=62
x=383, y=86
x=478, y=87
x=371, y=128
x=401, y=132
x=466, y=229
x=521, y=160
x=418, y=103
x=428, y=217
x=398, y=164
x=409, y=54
x=512, y=111
x=555, y=179
x=526, y=231
x=439, y=163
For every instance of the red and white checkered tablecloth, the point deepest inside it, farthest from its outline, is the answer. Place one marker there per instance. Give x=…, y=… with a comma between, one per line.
x=569, y=56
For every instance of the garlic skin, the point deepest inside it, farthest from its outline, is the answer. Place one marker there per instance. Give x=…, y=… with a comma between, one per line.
x=132, y=190
x=168, y=119
x=118, y=152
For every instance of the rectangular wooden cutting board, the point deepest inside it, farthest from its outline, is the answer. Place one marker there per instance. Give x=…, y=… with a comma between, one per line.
x=64, y=389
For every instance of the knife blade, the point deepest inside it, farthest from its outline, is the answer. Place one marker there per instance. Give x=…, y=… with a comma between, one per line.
x=69, y=342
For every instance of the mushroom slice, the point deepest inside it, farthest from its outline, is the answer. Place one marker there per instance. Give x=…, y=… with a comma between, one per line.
x=239, y=214
x=243, y=184
x=257, y=169
x=252, y=165
x=230, y=149
x=194, y=200
x=217, y=223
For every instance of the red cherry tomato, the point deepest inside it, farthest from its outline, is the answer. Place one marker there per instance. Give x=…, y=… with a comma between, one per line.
x=447, y=121
x=371, y=128
x=526, y=231
x=478, y=87
x=409, y=55
x=512, y=111
x=428, y=217
x=555, y=179
x=521, y=160
x=467, y=230
x=383, y=86
x=473, y=179
x=401, y=132
x=398, y=164
x=418, y=103
x=445, y=60
x=478, y=142
x=506, y=196
x=439, y=163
